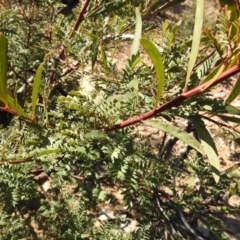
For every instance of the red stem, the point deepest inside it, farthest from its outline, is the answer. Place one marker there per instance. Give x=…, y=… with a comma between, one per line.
x=80, y=18
x=176, y=101
x=75, y=27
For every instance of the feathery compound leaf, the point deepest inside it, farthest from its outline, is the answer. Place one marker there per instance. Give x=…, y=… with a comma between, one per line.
x=196, y=38
x=207, y=65
x=232, y=6
x=208, y=145
x=95, y=45
x=138, y=32
x=214, y=40
x=3, y=68
x=214, y=74
x=176, y=132
x=49, y=151
x=157, y=61
x=235, y=92
x=36, y=84
x=95, y=134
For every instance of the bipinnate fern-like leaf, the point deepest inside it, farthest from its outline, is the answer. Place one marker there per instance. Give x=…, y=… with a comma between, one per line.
x=95, y=135
x=206, y=65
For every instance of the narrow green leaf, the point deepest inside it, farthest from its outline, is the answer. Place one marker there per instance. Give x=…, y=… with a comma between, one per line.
x=165, y=27
x=228, y=109
x=208, y=146
x=235, y=92
x=16, y=99
x=138, y=33
x=95, y=44
x=48, y=55
x=3, y=68
x=196, y=38
x=104, y=58
x=36, y=84
x=157, y=61
x=176, y=132
x=134, y=60
x=13, y=104
x=229, y=118
x=173, y=32
x=232, y=110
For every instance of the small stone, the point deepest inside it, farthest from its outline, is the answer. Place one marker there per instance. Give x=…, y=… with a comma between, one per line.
x=131, y=226
x=220, y=95
x=197, y=183
x=221, y=142
x=234, y=201
x=233, y=147
x=103, y=217
x=166, y=190
x=123, y=217
x=236, y=104
x=127, y=36
x=46, y=185
x=107, y=213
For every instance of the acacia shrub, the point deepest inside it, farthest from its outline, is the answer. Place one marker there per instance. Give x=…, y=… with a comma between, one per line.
x=68, y=104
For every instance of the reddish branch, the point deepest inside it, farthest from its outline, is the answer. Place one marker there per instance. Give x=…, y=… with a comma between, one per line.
x=173, y=103
x=7, y=109
x=220, y=123
x=80, y=18
x=176, y=101
x=76, y=25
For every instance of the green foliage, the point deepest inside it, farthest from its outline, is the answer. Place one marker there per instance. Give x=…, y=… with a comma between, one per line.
x=73, y=137
x=156, y=58
x=196, y=39
x=3, y=69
